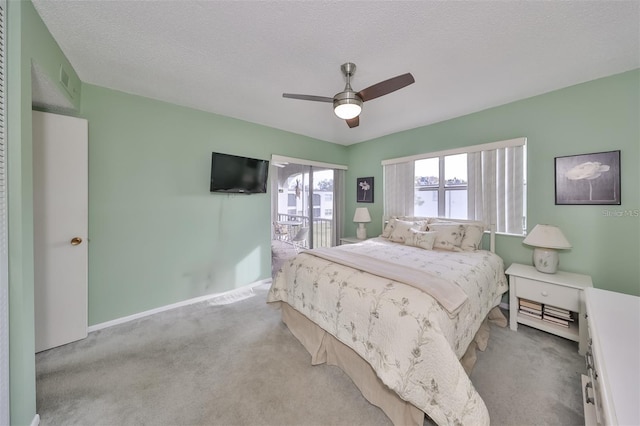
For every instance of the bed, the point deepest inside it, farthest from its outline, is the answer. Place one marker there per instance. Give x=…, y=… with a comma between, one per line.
x=398, y=313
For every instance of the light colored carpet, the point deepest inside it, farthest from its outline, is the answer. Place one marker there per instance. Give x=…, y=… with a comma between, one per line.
x=237, y=364
x=530, y=377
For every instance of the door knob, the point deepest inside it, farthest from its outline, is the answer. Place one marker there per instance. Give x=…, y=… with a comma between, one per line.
x=75, y=241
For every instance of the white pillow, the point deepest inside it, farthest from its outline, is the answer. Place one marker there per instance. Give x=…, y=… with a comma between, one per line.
x=449, y=236
x=472, y=239
x=421, y=239
x=473, y=232
x=401, y=230
x=389, y=227
x=391, y=223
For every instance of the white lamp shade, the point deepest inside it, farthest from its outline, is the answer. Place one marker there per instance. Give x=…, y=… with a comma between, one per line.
x=362, y=215
x=546, y=239
x=547, y=236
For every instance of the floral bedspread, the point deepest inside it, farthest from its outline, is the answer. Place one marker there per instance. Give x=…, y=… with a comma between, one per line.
x=403, y=333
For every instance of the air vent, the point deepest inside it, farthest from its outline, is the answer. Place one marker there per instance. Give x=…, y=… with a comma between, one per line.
x=64, y=78
x=67, y=83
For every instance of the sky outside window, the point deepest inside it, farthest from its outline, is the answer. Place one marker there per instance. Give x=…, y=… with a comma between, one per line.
x=455, y=169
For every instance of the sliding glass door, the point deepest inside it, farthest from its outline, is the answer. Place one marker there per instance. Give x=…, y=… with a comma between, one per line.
x=304, y=200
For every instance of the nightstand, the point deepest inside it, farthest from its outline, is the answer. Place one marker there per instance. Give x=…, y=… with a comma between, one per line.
x=562, y=290
x=350, y=240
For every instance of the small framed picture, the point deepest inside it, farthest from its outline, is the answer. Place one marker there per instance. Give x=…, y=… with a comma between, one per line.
x=588, y=178
x=364, y=191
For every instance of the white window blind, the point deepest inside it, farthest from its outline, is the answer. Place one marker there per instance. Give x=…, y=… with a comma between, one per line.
x=496, y=188
x=398, y=189
x=4, y=260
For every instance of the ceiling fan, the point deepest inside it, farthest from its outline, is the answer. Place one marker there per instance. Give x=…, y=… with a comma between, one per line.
x=348, y=104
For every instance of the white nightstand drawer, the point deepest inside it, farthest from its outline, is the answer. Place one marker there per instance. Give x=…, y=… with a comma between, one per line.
x=554, y=295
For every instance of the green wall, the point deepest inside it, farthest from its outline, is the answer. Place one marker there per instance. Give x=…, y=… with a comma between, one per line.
x=28, y=40
x=157, y=235
x=601, y=115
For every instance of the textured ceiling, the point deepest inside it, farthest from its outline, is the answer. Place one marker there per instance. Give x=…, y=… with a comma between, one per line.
x=236, y=58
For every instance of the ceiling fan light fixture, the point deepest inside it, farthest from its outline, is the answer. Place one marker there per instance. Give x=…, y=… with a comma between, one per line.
x=347, y=105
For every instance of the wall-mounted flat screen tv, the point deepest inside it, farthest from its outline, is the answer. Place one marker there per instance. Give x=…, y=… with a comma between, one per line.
x=234, y=174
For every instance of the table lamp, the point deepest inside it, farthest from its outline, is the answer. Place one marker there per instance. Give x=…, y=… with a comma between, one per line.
x=361, y=217
x=546, y=239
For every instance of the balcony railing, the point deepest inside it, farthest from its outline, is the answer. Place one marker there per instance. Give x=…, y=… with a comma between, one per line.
x=322, y=229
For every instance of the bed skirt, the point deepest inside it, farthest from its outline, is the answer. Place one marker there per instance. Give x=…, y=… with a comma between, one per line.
x=324, y=348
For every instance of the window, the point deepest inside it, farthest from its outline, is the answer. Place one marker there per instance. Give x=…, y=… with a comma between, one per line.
x=483, y=182
x=441, y=186
x=291, y=200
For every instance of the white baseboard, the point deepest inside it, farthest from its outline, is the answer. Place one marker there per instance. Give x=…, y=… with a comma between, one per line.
x=36, y=420
x=218, y=298
x=504, y=305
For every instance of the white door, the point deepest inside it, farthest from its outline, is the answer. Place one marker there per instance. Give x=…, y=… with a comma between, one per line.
x=60, y=215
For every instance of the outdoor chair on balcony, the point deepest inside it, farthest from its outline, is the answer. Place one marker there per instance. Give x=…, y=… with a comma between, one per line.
x=299, y=241
x=280, y=232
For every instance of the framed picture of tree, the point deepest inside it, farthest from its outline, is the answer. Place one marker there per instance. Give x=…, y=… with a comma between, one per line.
x=364, y=190
x=588, y=178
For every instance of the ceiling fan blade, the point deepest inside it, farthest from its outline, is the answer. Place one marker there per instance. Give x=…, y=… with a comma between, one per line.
x=386, y=87
x=307, y=97
x=353, y=122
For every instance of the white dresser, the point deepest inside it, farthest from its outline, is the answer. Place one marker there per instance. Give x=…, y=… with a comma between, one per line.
x=611, y=391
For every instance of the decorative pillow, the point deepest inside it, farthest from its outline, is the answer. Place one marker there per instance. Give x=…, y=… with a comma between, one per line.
x=449, y=236
x=472, y=239
x=473, y=232
x=389, y=227
x=421, y=239
x=402, y=229
x=391, y=223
